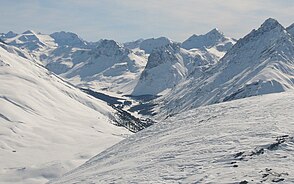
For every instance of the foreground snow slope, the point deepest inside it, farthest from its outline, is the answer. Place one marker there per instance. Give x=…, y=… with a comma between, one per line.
x=243, y=140
x=47, y=126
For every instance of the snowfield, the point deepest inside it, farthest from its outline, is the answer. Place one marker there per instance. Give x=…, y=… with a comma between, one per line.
x=47, y=126
x=249, y=140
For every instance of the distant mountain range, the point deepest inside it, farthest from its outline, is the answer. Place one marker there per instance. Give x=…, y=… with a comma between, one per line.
x=204, y=69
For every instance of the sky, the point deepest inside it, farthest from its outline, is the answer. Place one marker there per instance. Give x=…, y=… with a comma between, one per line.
x=128, y=20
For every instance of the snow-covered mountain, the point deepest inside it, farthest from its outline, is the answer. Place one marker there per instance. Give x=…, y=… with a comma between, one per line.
x=134, y=44
x=150, y=44
x=170, y=65
x=30, y=40
x=7, y=35
x=68, y=39
x=105, y=64
x=214, y=41
x=243, y=141
x=260, y=63
x=47, y=126
x=108, y=66
x=177, y=72
x=208, y=40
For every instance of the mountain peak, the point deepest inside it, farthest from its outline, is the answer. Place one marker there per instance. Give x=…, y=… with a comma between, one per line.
x=149, y=45
x=111, y=48
x=63, y=33
x=270, y=24
x=110, y=44
x=215, y=32
x=29, y=32
x=268, y=32
x=163, y=54
x=208, y=40
x=68, y=39
x=10, y=34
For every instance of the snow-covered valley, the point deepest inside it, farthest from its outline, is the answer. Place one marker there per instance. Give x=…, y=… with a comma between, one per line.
x=64, y=99
x=249, y=140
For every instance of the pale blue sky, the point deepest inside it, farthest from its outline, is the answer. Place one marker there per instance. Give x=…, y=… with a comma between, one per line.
x=126, y=20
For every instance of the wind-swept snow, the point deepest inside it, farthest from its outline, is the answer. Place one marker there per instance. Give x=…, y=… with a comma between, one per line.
x=249, y=140
x=47, y=126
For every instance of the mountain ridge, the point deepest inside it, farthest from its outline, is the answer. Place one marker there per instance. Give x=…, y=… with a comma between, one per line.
x=256, y=64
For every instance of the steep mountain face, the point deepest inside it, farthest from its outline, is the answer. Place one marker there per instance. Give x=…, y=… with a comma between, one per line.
x=169, y=65
x=47, y=126
x=260, y=63
x=243, y=141
x=214, y=41
x=149, y=45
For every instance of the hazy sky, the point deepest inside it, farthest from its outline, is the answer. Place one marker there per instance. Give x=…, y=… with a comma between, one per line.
x=126, y=20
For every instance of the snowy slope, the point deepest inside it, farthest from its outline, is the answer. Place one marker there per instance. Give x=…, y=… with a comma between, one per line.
x=47, y=126
x=260, y=63
x=214, y=41
x=249, y=140
x=168, y=66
